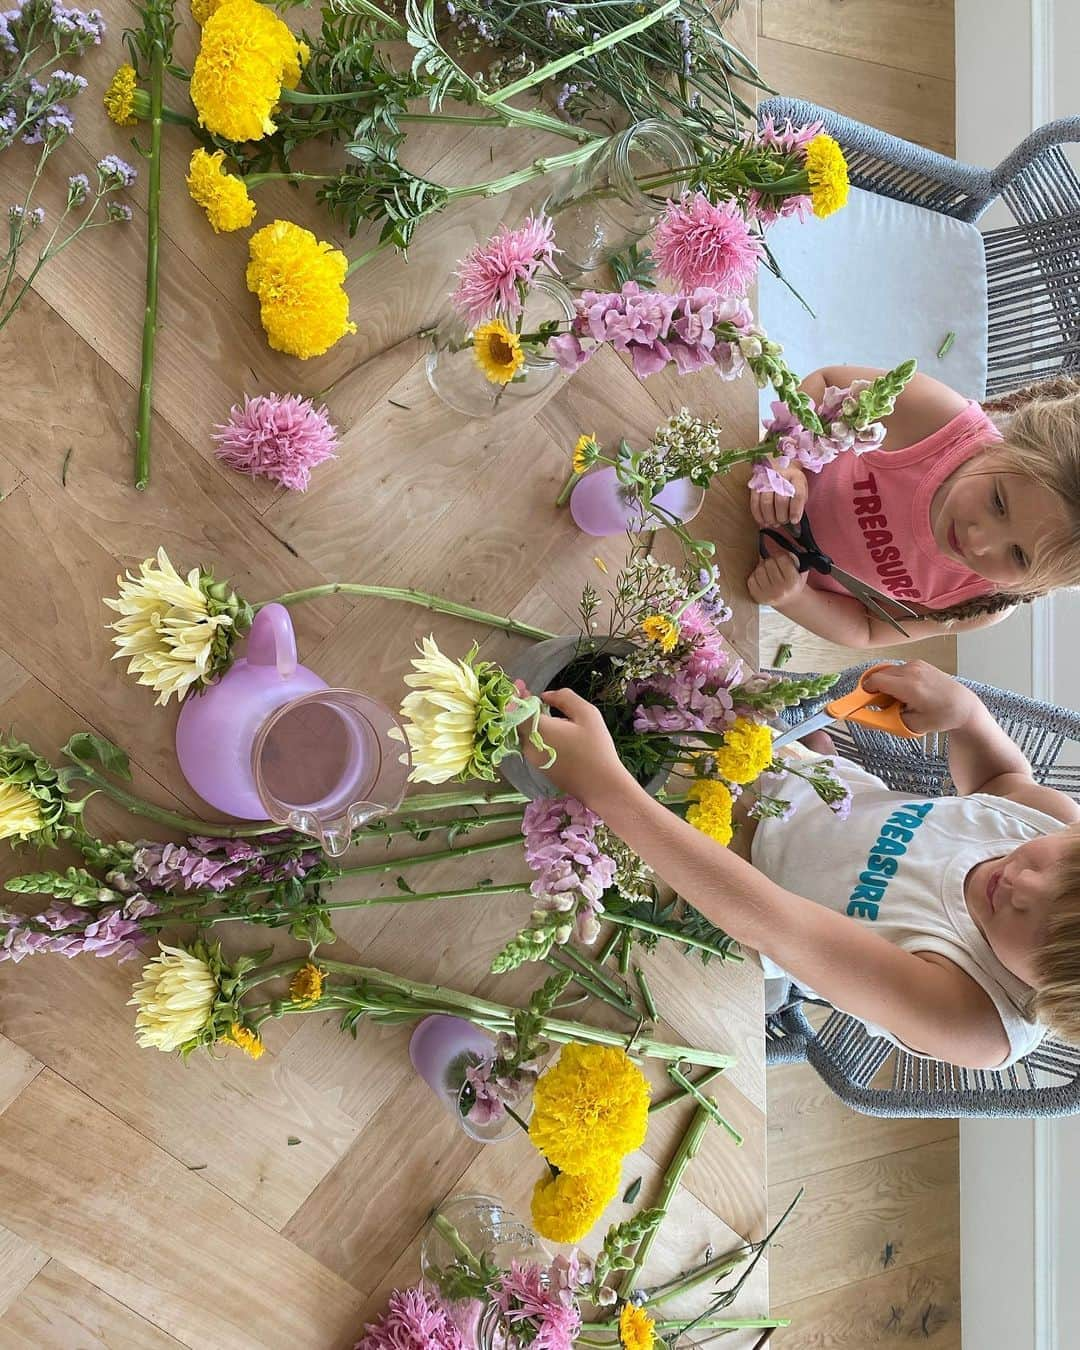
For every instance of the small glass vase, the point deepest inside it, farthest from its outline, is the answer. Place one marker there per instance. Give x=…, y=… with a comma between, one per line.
x=456, y=378
x=465, y=1227
x=441, y=1048
x=602, y=506
x=603, y=207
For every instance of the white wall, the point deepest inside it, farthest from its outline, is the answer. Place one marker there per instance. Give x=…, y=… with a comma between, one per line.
x=1020, y=1180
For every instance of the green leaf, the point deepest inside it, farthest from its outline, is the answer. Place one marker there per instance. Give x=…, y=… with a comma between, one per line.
x=403, y=885
x=632, y=1191
x=292, y=1139
x=86, y=748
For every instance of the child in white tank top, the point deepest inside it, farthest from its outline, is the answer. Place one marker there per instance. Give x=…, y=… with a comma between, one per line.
x=949, y=924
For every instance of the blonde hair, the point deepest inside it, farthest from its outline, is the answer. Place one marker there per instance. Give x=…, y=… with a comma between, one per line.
x=1040, y=426
x=1056, y=1003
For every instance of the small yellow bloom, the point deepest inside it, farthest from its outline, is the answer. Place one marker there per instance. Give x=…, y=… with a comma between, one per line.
x=497, y=351
x=636, y=1328
x=711, y=812
x=306, y=986
x=246, y=1039
x=590, y=1109
x=746, y=753
x=827, y=170
x=175, y=997
x=119, y=97
x=565, y=1207
x=247, y=55
x=586, y=453
x=662, y=630
x=223, y=196
x=299, y=281
x=20, y=815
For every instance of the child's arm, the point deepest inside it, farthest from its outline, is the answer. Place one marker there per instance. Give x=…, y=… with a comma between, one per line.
x=935, y=1009
x=982, y=758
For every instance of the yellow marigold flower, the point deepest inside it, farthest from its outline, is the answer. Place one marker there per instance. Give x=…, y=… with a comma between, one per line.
x=223, y=196
x=711, y=812
x=246, y=1039
x=636, y=1328
x=586, y=452
x=827, y=171
x=166, y=627
x=746, y=753
x=175, y=998
x=202, y=9
x=246, y=56
x=306, y=985
x=119, y=97
x=299, y=281
x=662, y=630
x=590, y=1109
x=20, y=815
x=565, y=1207
x=497, y=351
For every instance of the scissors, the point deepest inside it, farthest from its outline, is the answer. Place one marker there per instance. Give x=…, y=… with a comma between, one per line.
x=869, y=709
x=811, y=559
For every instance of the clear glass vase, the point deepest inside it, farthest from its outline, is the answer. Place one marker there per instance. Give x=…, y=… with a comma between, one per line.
x=452, y=369
x=462, y=1229
x=604, y=208
x=441, y=1049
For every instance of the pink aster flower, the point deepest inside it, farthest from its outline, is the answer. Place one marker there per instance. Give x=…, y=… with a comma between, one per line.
x=412, y=1321
x=699, y=244
x=524, y=1295
x=277, y=436
x=493, y=277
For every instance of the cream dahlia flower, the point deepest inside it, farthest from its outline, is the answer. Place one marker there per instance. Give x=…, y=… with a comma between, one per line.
x=175, y=998
x=440, y=715
x=176, y=631
x=20, y=815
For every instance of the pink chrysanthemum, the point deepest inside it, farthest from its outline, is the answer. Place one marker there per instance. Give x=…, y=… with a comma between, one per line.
x=699, y=244
x=787, y=137
x=278, y=436
x=524, y=1295
x=492, y=276
x=412, y=1321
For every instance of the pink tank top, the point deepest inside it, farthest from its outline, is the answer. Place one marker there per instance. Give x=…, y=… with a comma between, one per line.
x=871, y=514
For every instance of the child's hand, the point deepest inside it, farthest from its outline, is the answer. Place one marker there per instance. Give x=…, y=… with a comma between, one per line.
x=933, y=701
x=776, y=580
x=770, y=509
x=587, y=765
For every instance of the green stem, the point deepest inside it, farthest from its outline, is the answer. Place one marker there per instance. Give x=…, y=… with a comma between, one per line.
x=624, y=953
x=609, y=946
x=646, y=994
x=412, y=597
x=153, y=219
x=557, y=960
x=456, y=1242
x=568, y=487
x=681, y=1095
x=704, y=1103
x=367, y=902
x=688, y=1148
x=717, y=1269
x=699, y=944
x=706, y=1324
x=444, y=801
x=188, y=824
x=550, y=164
x=366, y=258
x=510, y=117
x=254, y=180
x=597, y=971
x=470, y=822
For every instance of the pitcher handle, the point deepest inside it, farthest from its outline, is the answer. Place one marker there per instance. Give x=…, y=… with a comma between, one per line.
x=272, y=641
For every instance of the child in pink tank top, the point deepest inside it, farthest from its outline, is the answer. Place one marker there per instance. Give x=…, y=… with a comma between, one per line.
x=953, y=516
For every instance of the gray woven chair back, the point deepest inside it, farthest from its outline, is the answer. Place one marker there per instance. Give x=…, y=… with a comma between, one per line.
x=869, y=1073
x=1033, y=267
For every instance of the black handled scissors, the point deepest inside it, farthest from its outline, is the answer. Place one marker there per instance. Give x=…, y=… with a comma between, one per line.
x=811, y=559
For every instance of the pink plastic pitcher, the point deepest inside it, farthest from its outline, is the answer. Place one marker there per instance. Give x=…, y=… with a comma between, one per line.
x=271, y=741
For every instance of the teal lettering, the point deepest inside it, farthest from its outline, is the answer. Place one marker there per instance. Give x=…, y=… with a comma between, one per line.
x=875, y=887
x=921, y=809
x=862, y=909
x=895, y=832
x=886, y=866
x=889, y=848
x=902, y=818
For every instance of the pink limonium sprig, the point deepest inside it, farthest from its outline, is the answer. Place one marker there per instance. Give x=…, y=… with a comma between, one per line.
x=277, y=436
x=697, y=243
x=495, y=277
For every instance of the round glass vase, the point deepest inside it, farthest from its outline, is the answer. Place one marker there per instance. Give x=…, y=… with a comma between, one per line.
x=457, y=379
x=441, y=1048
x=602, y=506
x=607, y=203
x=466, y=1227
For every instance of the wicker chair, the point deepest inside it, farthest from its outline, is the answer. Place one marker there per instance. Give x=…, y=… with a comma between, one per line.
x=848, y=1058
x=1033, y=267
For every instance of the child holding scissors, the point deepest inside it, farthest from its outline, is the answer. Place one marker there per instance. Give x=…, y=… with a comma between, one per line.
x=949, y=924
x=955, y=518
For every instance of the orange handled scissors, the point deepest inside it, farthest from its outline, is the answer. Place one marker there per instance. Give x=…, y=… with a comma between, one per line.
x=869, y=709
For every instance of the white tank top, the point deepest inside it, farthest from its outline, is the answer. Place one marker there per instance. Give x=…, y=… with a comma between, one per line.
x=898, y=865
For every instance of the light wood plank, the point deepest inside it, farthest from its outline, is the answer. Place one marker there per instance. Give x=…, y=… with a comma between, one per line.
x=20, y=1261
x=810, y=652
x=17, y=1069
x=915, y=35
x=58, y=1310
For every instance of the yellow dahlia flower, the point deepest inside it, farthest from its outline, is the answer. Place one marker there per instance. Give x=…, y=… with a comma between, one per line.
x=246, y=1039
x=497, y=351
x=565, y=1207
x=711, y=812
x=20, y=814
x=586, y=452
x=246, y=56
x=440, y=715
x=223, y=196
x=306, y=986
x=119, y=97
x=662, y=630
x=175, y=998
x=827, y=171
x=746, y=753
x=590, y=1109
x=636, y=1328
x=174, y=633
x=299, y=281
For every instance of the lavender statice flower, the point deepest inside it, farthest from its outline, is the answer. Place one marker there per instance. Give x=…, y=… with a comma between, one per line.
x=56, y=126
x=63, y=84
x=118, y=210
x=9, y=121
x=115, y=172
x=78, y=189
x=572, y=873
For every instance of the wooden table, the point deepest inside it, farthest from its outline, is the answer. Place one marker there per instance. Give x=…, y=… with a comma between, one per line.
x=149, y=1203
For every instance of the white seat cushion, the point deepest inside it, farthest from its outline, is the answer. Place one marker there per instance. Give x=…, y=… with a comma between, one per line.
x=886, y=281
